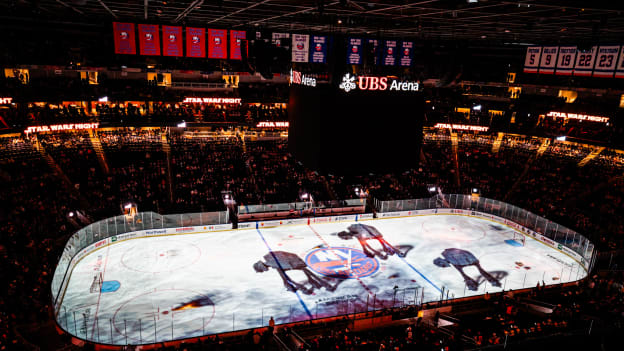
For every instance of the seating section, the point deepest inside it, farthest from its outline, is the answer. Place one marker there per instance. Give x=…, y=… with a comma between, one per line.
x=55, y=184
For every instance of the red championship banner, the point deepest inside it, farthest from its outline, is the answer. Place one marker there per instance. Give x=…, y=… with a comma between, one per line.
x=195, y=42
x=217, y=43
x=172, y=41
x=236, y=36
x=124, y=38
x=149, y=39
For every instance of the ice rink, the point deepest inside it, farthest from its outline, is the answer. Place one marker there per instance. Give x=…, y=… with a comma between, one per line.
x=171, y=287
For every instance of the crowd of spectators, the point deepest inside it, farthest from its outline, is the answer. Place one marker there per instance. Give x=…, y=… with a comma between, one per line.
x=170, y=173
x=139, y=113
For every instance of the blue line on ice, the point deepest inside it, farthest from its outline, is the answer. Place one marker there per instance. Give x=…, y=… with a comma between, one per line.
x=282, y=269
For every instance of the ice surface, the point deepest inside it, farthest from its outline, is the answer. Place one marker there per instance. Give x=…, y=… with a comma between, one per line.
x=180, y=286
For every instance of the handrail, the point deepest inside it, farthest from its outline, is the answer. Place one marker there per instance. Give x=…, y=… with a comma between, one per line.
x=299, y=338
x=281, y=343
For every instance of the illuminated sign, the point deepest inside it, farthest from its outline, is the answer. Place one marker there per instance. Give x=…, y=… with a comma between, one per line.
x=5, y=100
x=351, y=82
x=297, y=77
x=272, y=125
x=192, y=100
x=461, y=127
x=61, y=127
x=578, y=116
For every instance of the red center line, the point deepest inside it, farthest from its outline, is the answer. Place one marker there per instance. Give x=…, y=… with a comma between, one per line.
x=347, y=267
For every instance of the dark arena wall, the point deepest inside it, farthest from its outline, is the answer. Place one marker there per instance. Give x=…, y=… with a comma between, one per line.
x=335, y=131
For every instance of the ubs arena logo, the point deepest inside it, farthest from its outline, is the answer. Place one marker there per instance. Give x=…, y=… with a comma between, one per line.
x=341, y=262
x=297, y=77
x=352, y=82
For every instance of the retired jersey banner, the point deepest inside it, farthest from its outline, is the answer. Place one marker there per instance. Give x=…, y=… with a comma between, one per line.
x=318, y=50
x=374, y=47
x=407, y=53
x=236, y=38
x=566, y=60
x=195, y=42
x=619, y=69
x=172, y=41
x=149, y=39
x=300, y=47
x=390, y=53
x=532, y=59
x=217, y=47
x=548, y=61
x=354, y=51
x=124, y=38
x=585, y=62
x=606, y=60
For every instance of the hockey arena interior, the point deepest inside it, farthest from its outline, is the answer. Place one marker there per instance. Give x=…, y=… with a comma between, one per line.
x=311, y=175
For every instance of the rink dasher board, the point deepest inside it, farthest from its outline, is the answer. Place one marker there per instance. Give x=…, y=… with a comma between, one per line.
x=141, y=234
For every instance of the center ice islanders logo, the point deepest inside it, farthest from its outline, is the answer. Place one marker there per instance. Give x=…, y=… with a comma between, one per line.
x=341, y=262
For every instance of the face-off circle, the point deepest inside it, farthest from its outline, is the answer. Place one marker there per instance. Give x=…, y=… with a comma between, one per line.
x=341, y=262
x=161, y=256
x=454, y=229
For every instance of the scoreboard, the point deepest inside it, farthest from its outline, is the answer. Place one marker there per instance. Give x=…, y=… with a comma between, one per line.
x=605, y=61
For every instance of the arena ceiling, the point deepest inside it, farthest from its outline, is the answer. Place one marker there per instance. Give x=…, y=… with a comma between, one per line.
x=533, y=21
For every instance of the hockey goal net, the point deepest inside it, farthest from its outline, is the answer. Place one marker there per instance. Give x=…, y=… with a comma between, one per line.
x=515, y=239
x=96, y=285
